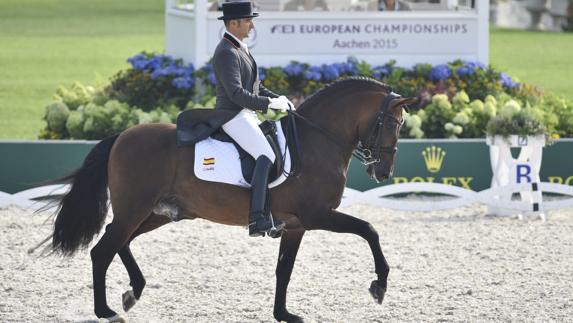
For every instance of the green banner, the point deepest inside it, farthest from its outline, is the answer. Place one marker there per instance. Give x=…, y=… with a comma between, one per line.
x=26, y=164
x=463, y=163
x=454, y=162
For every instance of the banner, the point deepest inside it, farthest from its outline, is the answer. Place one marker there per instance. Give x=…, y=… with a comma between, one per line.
x=464, y=163
x=453, y=37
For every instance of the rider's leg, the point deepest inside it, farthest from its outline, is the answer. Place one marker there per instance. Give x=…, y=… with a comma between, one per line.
x=260, y=220
x=244, y=129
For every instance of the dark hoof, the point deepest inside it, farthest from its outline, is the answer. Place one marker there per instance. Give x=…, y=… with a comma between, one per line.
x=128, y=299
x=114, y=319
x=105, y=313
x=289, y=318
x=377, y=291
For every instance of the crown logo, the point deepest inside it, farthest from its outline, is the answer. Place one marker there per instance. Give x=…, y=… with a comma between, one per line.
x=433, y=157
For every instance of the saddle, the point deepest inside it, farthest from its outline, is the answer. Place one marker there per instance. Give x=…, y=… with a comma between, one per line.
x=194, y=128
x=269, y=129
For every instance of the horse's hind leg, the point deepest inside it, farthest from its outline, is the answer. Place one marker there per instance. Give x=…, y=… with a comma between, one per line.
x=102, y=254
x=116, y=235
x=136, y=279
x=336, y=221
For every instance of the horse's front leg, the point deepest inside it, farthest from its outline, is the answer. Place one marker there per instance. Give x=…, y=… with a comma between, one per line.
x=290, y=241
x=335, y=221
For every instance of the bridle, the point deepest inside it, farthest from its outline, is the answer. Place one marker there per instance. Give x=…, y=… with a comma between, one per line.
x=370, y=150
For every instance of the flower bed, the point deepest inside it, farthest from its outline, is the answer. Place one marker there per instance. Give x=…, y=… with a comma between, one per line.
x=456, y=100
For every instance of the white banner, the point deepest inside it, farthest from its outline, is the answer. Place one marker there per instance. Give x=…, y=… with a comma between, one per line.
x=358, y=36
x=409, y=37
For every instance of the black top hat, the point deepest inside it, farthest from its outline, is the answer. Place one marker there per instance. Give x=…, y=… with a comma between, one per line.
x=238, y=10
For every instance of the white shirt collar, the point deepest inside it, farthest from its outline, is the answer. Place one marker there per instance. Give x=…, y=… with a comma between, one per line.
x=243, y=45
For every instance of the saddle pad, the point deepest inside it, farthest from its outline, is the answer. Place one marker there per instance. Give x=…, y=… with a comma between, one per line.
x=217, y=161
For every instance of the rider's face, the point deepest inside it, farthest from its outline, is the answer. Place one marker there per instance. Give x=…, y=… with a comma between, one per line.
x=242, y=27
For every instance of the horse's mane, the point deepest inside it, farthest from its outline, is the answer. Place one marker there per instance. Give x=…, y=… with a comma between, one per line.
x=348, y=83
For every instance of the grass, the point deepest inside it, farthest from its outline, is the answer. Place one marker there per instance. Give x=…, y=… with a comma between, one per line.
x=543, y=59
x=48, y=43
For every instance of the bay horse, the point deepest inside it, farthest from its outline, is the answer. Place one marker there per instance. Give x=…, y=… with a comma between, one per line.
x=143, y=168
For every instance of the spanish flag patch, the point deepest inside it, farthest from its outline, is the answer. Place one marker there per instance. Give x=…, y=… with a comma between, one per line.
x=208, y=161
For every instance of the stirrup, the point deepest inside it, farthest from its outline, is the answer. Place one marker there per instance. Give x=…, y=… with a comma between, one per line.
x=274, y=230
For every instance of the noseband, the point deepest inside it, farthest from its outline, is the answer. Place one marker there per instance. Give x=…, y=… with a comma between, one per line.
x=367, y=152
x=370, y=150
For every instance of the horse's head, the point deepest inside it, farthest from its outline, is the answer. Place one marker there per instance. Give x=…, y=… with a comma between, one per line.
x=377, y=147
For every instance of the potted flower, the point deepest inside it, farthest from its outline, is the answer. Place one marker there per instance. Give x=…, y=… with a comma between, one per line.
x=515, y=127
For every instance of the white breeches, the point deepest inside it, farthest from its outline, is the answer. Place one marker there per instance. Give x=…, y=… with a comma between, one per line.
x=244, y=129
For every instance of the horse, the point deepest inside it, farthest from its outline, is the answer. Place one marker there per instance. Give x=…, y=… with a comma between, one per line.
x=142, y=167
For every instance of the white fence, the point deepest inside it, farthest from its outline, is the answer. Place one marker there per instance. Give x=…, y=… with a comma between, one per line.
x=380, y=196
x=458, y=197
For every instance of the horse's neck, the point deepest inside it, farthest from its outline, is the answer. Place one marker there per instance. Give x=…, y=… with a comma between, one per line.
x=338, y=118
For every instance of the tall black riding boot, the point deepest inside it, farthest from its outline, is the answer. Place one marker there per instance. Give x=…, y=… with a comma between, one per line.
x=260, y=219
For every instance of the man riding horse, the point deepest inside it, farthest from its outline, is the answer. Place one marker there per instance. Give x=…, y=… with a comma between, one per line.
x=362, y=115
x=239, y=89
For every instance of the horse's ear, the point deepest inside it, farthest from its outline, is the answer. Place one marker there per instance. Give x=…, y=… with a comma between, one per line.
x=404, y=102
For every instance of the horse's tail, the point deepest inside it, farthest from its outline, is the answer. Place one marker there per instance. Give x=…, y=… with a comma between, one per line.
x=81, y=212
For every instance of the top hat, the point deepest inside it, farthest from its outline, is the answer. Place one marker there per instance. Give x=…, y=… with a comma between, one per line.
x=238, y=10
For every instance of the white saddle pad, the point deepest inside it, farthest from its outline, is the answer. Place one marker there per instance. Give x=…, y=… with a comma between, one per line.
x=217, y=161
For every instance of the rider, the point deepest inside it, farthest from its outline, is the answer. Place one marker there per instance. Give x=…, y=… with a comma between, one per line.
x=238, y=88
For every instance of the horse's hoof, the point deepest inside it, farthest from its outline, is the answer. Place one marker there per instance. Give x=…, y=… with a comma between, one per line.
x=128, y=299
x=377, y=291
x=297, y=319
x=114, y=319
x=289, y=318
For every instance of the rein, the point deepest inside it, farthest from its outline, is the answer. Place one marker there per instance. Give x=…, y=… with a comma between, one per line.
x=369, y=152
x=327, y=134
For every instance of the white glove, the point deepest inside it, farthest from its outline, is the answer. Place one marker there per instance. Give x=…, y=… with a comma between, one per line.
x=290, y=105
x=281, y=103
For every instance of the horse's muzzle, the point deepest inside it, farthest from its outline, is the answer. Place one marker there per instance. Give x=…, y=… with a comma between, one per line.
x=376, y=175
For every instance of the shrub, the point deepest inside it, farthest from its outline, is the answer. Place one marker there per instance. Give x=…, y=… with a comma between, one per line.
x=522, y=123
x=154, y=80
x=56, y=115
x=456, y=100
x=75, y=96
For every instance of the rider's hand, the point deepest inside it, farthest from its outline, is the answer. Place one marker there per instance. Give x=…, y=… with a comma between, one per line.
x=290, y=105
x=281, y=103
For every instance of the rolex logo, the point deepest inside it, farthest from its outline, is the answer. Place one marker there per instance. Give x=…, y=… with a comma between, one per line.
x=433, y=157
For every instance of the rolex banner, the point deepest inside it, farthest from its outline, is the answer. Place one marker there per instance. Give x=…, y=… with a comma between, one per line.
x=462, y=162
